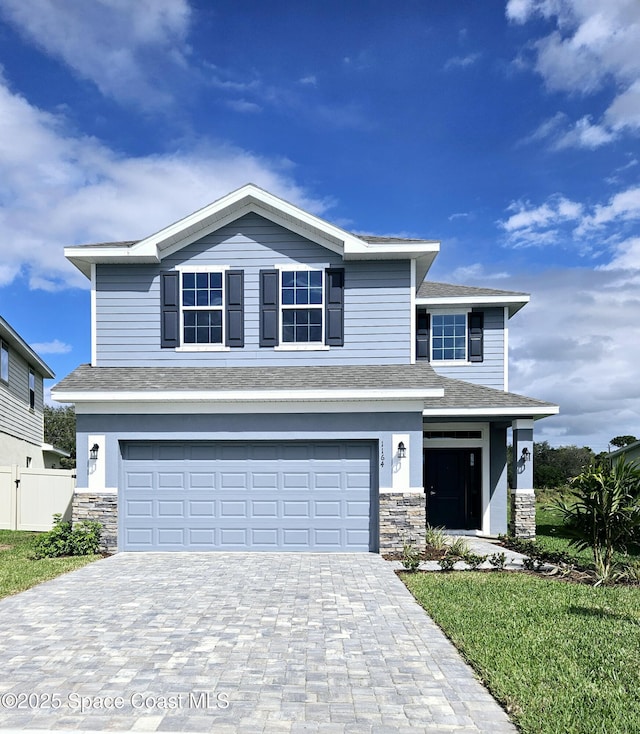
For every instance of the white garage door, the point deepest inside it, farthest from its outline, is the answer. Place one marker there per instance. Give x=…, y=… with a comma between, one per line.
x=294, y=496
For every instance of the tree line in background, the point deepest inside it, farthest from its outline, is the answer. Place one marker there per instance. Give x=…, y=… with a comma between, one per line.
x=555, y=466
x=60, y=431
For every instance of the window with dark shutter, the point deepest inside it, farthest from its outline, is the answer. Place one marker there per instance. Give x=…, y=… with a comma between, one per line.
x=170, y=309
x=269, y=308
x=334, y=309
x=422, y=335
x=235, y=308
x=476, y=336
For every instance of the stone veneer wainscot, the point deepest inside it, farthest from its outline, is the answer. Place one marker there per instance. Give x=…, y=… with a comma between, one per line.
x=402, y=517
x=102, y=508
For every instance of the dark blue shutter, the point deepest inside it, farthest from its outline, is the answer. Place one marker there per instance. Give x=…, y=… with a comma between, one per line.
x=269, y=307
x=422, y=335
x=334, y=307
x=169, y=309
x=476, y=336
x=235, y=308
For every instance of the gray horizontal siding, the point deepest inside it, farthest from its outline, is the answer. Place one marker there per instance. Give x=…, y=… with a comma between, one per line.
x=377, y=302
x=490, y=371
x=16, y=418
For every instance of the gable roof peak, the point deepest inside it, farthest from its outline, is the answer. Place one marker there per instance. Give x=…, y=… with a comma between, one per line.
x=253, y=199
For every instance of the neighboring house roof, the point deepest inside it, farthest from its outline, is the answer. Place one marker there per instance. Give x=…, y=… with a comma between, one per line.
x=448, y=294
x=251, y=198
x=441, y=395
x=51, y=449
x=630, y=448
x=14, y=340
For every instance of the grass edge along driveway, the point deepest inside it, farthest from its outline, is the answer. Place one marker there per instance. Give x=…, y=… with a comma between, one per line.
x=19, y=571
x=560, y=657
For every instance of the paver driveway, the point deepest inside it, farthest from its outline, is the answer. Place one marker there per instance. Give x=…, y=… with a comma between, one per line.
x=233, y=642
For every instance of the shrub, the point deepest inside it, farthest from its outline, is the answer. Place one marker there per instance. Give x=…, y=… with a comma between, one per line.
x=603, y=512
x=498, y=560
x=447, y=562
x=410, y=555
x=473, y=560
x=82, y=539
x=435, y=537
x=458, y=547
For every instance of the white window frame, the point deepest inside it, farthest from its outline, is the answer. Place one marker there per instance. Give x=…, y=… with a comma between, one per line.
x=450, y=312
x=217, y=347
x=300, y=346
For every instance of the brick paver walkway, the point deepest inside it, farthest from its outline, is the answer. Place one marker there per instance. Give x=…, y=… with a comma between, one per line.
x=238, y=642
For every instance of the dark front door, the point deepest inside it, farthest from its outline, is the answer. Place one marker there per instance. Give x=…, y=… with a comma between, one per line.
x=453, y=488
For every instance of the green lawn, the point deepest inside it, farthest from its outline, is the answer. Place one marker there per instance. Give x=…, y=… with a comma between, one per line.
x=19, y=572
x=551, y=536
x=561, y=657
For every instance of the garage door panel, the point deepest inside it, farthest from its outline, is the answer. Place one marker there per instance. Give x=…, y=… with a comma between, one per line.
x=202, y=508
x=202, y=537
x=292, y=497
x=171, y=508
x=171, y=480
x=199, y=480
x=233, y=480
x=262, y=480
x=233, y=538
x=141, y=479
x=139, y=508
x=265, y=538
x=264, y=508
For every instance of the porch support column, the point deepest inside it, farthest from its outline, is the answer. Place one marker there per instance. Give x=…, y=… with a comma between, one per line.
x=523, y=503
x=402, y=506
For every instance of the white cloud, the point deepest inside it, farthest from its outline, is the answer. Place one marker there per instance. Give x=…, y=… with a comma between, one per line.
x=127, y=49
x=623, y=207
x=58, y=189
x=602, y=228
x=593, y=47
x=584, y=134
x=461, y=62
x=554, y=210
x=310, y=80
x=242, y=105
x=573, y=345
x=52, y=347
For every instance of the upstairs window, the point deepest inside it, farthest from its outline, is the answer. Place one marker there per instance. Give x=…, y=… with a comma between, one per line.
x=202, y=308
x=4, y=362
x=32, y=389
x=449, y=337
x=302, y=306
x=302, y=309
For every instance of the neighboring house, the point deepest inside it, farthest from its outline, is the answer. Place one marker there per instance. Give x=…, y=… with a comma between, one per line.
x=630, y=452
x=264, y=380
x=22, y=373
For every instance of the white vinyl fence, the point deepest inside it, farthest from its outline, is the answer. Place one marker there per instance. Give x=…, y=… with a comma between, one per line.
x=29, y=498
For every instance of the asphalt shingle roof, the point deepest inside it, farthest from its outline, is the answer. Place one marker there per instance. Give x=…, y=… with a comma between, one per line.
x=457, y=393
x=431, y=289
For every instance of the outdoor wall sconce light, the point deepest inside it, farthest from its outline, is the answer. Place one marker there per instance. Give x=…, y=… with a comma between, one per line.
x=526, y=454
x=93, y=452
x=402, y=451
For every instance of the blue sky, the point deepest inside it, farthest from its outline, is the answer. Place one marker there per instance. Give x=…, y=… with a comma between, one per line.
x=507, y=130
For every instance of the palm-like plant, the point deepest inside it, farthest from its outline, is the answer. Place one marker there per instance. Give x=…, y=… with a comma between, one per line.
x=603, y=511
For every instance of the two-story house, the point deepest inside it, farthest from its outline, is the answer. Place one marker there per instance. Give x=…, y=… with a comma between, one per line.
x=264, y=380
x=22, y=375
